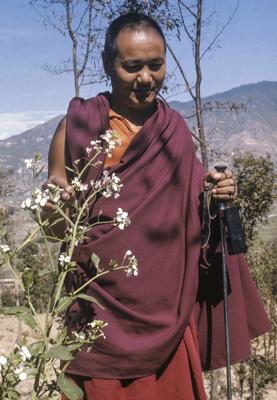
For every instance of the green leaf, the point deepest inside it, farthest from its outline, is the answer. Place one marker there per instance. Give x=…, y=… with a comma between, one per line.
x=74, y=346
x=62, y=335
x=113, y=264
x=95, y=259
x=36, y=347
x=64, y=303
x=23, y=314
x=28, y=319
x=69, y=388
x=60, y=353
x=13, y=310
x=27, y=277
x=44, y=272
x=31, y=371
x=13, y=394
x=37, y=156
x=89, y=298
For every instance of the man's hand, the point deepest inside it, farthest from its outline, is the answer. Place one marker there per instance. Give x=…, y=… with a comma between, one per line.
x=223, y=185
x=67, y=192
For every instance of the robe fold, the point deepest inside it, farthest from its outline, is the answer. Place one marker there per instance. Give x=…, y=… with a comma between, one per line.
x=147, y=315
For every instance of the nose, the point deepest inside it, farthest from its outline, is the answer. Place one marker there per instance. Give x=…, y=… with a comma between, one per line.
x=145, y=77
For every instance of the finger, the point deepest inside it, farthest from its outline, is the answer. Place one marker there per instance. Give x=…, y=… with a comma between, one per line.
x=68, y=193
x=44, y=185
x=224, y=190
x=58, y=181
x=226, y=183
x=227, y=174
x=212, y=177
x=224, y=197
x=49, y=207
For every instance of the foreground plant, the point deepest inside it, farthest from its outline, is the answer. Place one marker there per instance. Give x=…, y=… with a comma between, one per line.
x=42, y=359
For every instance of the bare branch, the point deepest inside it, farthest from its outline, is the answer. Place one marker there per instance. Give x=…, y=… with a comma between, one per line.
x=209, y=47
x=184, y=24
x=189, y=9
x=69, y=21
x=81, y=20
x=88, y=40
x=182, y=72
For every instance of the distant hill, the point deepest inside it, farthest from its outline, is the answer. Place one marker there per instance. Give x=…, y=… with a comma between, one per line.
x=15, y=149
x=254, y=128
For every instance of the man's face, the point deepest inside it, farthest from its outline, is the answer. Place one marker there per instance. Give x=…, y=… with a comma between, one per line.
x=139, y=68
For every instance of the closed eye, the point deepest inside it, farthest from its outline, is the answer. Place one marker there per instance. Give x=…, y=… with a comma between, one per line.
x=137, y=67
x=132, y=68
x=155, y=67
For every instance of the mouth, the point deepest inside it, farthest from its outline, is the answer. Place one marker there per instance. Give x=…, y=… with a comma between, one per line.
x=143, y=92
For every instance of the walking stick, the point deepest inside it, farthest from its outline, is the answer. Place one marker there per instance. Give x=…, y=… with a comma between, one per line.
x=229, y=221
x=221, y=208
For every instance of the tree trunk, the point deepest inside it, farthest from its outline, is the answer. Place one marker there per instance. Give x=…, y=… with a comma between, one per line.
x=197, y=100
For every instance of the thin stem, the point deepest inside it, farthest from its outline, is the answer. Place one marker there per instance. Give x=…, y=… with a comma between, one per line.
x=88, y=164
x=26, y=241
x=15, y=275
x=77, y=291
x=47, y=245
x=33, y=310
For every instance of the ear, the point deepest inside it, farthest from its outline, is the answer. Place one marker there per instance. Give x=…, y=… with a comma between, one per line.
x=105, y=63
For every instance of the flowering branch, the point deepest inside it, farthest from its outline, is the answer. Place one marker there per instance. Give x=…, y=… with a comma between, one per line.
x=39, y=359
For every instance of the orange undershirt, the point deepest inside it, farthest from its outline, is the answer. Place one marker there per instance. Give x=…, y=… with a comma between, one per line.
x=125, y=133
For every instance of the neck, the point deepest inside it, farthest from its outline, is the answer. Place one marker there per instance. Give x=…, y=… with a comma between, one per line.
x=136, y=115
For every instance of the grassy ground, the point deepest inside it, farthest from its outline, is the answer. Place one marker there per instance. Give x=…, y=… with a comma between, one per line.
x=268, y=232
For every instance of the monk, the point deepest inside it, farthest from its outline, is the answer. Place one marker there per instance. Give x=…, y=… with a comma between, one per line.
x=166, y=324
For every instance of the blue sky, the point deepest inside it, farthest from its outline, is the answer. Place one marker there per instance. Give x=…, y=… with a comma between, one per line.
x=247, y=54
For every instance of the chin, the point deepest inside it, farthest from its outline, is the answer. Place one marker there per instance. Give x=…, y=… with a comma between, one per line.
x=143, y=101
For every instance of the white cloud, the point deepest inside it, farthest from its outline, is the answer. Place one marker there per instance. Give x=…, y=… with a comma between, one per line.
x=14, y=123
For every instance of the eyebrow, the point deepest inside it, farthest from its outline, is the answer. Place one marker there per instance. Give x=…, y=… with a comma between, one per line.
x=138, y=61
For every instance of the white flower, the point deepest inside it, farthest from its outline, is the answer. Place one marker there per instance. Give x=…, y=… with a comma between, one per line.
x=109, y=185
x=4, y=248
x=24, y=353
x=23, y=376
x=80, y=336
x=97, y=324
x=39, y=199
x=18, y=369
x=121, y=220
x=116, y=185
x=88, y=150
x=110, y=141
x=3, y=360
x=78, y=185
x=43, y=202
x=96, y=145
x=29, y=162
x=53, y=192
x=20, y=372
x=132, y=269
x=26, y=203
x=63, y=259
x=128, y=253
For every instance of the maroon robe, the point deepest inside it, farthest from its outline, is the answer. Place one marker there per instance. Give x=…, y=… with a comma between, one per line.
x=147, y=315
